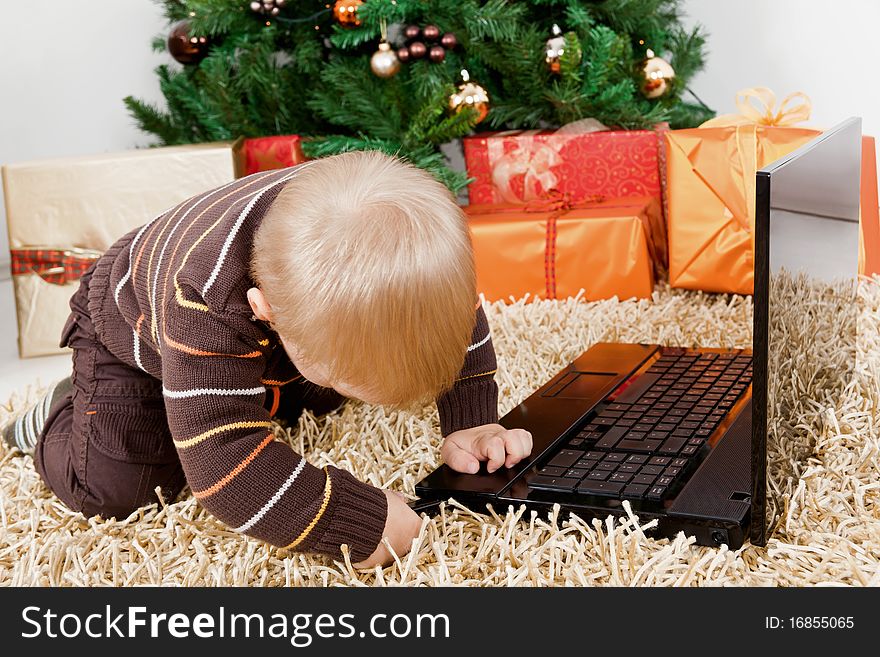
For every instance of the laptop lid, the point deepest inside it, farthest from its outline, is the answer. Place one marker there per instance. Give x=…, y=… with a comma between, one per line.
x=805, y=311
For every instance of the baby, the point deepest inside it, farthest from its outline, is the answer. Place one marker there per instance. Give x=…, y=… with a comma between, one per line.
x=350, y=276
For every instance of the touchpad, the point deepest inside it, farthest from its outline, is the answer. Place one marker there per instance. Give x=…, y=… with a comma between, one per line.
x=582, y=385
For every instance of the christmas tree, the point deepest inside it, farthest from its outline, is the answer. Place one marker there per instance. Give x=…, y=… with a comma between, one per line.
x=323, y=70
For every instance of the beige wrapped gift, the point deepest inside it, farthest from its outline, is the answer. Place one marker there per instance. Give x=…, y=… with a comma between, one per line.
x=62, y=213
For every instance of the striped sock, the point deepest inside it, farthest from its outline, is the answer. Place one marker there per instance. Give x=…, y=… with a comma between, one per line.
x=23, y=432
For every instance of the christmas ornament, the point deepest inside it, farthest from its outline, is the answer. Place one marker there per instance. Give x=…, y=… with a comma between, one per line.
x=657, y=73
x=345, y=12
x=384, y=62
x=403, y=54
x=431, y=32
x=184, y=47
x=412, y=32
x=417, y=49
x=449, y=41
x=470, y=94
x=554, y=49
x=267, y=7
x=437, y=54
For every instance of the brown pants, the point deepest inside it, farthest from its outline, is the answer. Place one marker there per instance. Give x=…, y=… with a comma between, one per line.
x=106, y=446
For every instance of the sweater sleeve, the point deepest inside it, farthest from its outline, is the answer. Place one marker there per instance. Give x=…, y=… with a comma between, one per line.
x=473, y=399
x=214, y=395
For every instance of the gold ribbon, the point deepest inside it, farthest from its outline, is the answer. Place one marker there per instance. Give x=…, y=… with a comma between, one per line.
x=757, y=106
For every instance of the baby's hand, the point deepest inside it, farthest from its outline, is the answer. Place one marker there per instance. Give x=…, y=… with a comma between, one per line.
x=463, y=450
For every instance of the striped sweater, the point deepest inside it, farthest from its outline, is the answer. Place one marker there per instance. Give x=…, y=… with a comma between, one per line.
x=170, y=299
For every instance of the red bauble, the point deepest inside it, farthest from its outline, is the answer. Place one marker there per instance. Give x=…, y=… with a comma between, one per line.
x=437, y=53
x=417, y=49
x=185, y=48
x=411, y=32
x=345, y=12
x=403, y=54
x=449, y=41
x=431, y=32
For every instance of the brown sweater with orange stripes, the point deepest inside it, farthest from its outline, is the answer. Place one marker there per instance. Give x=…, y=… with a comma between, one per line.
x=170, y=299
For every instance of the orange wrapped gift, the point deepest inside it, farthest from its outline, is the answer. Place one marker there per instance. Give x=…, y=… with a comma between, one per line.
x=711, y=190
x=550, y=248
x=267, y=153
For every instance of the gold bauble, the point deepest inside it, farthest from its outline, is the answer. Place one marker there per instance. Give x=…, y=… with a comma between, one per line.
x=554, y=49
x=384, y=61
x=470, y=95
x=658, y=72
x=345, y=12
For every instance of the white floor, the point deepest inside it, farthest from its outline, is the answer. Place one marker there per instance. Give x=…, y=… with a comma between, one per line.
x=16, y=373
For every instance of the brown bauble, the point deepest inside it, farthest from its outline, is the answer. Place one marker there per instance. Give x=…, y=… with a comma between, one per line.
x=437, y=54
x=431, y=32
x=412, y=32
x=185, y=48
x=657, y=75
x=417, y=49
x=345, y=12
x=403, y=54
x=449, y=41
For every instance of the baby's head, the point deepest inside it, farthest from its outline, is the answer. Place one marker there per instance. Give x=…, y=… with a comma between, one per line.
x=365, y=268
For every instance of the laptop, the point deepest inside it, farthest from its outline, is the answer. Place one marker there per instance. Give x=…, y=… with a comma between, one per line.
x=686, y=434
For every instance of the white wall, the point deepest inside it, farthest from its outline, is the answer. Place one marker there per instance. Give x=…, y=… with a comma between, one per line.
x=65, y=66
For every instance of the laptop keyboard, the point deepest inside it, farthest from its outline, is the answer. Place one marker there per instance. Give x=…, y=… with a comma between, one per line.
x=644, y=442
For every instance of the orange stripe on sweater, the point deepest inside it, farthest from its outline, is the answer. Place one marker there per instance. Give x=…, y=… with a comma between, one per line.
x=328, y=489
x=276, y=400
x=473, y=376
x=192, y=351
x=273, y=382
x=235, y=471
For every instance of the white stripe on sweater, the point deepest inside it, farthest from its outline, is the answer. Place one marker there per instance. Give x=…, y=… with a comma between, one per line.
x=244, y=213
x=196, y=392
x=479, y=344
x=272, y=502
x=124, y=279
x=137, y=350
x=168, y=240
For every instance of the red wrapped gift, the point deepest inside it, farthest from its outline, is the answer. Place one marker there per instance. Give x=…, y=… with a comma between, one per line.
x=521, y=165
x=267, y=153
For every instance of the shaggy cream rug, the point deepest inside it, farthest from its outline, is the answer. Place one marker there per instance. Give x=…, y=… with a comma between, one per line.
x=828, y=533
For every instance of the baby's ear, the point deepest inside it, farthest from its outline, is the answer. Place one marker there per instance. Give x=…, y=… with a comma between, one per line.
x=261, y=308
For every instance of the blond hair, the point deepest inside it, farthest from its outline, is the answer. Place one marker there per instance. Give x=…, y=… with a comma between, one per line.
x=367, y=263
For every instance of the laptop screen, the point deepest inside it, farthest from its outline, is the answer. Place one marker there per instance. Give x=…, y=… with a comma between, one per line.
x=804, y=342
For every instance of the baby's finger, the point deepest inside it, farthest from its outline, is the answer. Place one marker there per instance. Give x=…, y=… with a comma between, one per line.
x=460, y=460
x=518, y=444
x=493, y=448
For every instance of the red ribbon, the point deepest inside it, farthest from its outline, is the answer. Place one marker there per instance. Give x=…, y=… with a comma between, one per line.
x=55, y=266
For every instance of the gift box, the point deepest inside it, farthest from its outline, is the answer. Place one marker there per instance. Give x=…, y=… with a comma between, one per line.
x=578, y=160
x=266, y=153
x=552, y=247
x=869, y=236
x=711, y=189
x=62, y=214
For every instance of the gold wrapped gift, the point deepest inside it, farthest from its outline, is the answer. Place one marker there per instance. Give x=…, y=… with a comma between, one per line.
x=61, y=213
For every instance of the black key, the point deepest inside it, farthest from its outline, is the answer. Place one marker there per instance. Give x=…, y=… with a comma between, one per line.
x=635, y=490
x=604, y=488
x=617, y=407
x=664, y=426
x=659, y=460
x=696, y=441
x=636, y=435
x=620, y=476
x=565, y=459
x=551, y=471
x=611, y=438
x=646, y=446
x=605, y=421
x=656, y=492
x=575, y=443
x=609, y=467
x=690, y=399
x=671, y=471
x=663, y=405
x=690, y=449
x=577, y=473
x=598, y=475
x=654, y=412
x=689, y=425
x=631, y=468
x=677, y=412
x=703, y=432
x=636, y=458
x=682, y=433
x=651, y=469
x=614, y=457
x=632, y=416
x=591, y=427
x=665, y=480
x=594, y=455
x=586, y=464
x=636, y=388
x=644, y=479
x=553, y=483
x=623, y=422
x=658, y=435
x=643, y=426
x=609, y=413
x=672, y=446
x=679, y=463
